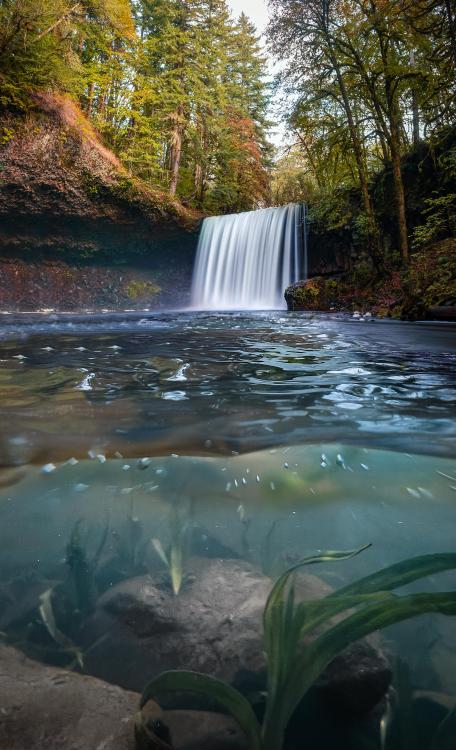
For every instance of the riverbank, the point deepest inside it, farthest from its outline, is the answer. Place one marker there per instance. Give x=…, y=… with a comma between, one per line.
x=426, y=290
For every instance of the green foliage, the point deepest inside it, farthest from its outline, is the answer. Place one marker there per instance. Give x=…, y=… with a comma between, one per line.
x=6, y=135
x=83, y=569
x=431, y=278
x=294, y=663
x=307, y=297
x=175, y=557
x=366, y=80
x=176, y=88
x=138, y=289
x=440, y=215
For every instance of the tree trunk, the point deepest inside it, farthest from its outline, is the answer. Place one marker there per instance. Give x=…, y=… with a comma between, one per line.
x=451, y=28
x=90, y=94
x=398, y=183
x=395, y=147
x=415, y=109
x=374, y=239
x=175, y=151
x=394, y=122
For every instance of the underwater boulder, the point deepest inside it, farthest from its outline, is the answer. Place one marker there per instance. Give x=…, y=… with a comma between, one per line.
x=204, y=730
x=214, y=626
x=48, y=708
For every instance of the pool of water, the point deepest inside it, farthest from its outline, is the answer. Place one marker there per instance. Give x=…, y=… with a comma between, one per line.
x=257, y=438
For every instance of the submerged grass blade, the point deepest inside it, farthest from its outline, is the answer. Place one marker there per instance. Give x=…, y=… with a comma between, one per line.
x=400, y=574
x=47, y=615
x=371, y=618
x=277, y=590
x=176, y=568
x=158, y=547
x=229, y=699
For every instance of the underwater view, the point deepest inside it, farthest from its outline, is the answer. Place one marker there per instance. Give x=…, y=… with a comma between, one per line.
x=161, y=471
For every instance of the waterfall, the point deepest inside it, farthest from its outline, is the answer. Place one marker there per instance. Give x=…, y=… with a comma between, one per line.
x=246, y=261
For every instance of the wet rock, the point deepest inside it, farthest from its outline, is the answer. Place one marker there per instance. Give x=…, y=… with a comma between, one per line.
x=307, y=295
x=46, y=708
x=213, y=626
x=358, y=678
x=202, y=730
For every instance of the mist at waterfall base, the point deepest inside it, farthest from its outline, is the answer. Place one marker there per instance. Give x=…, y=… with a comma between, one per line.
x=245, y=261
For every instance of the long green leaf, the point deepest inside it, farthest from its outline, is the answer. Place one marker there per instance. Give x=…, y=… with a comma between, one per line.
x=46, y=611
x=312, y=614
x=201, y=684
x=369, y=619
x=277, y=590
x=400, y=574
x=282, y=632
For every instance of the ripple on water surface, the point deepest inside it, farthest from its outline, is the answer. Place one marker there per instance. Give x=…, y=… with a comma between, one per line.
x=198, y=382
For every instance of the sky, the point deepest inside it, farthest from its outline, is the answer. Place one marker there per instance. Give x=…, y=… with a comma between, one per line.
x=257, y=11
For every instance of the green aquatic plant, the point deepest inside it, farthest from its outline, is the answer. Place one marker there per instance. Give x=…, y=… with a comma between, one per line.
x=83, y=569
x=46, y=611
x=176, y=554
x=129, y=543
x=294, y=661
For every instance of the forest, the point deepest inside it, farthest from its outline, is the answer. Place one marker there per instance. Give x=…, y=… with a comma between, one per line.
x=180, y=91
x=175, y=88
x=185, y=95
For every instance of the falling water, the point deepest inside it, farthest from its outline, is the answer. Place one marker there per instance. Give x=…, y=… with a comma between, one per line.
x=246, y=261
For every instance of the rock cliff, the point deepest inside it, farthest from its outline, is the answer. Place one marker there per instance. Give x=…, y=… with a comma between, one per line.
x=68, y=206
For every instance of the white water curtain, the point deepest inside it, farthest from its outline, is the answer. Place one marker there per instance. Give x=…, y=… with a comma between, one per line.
x=245, y=261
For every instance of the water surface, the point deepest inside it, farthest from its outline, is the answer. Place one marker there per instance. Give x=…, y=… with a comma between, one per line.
x=268, y=436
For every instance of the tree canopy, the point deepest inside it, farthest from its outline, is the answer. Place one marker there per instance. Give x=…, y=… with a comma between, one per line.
x=369, y=80
x=176, y=87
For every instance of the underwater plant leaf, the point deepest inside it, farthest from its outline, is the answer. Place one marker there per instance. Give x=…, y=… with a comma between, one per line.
x=276, y=593
x=400, y=574
x=282, y=625
x=101, y=546
x=176, y=568
x=311, y=614
x=293, y=666
x=229, y=699
x=158, y=547
x=444, y=739
x=47, y=615
x=381, y=614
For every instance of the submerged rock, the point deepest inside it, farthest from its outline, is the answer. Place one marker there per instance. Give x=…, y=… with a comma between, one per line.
x=213, y=626
x=204, y=730
x=46, y=708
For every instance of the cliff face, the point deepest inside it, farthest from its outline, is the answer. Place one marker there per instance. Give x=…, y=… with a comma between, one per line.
x=67, y=204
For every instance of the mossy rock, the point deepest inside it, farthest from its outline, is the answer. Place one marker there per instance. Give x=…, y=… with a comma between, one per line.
x=308, y=295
